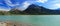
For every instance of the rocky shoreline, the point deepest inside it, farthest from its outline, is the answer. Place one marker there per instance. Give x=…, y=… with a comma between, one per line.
x=13, y=24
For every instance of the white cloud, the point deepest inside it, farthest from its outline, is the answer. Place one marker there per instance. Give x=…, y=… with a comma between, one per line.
x=57, y=5
x=4, y=9
x=9, y=3
x=54, y=6
x=41, y=1
x=24, y=5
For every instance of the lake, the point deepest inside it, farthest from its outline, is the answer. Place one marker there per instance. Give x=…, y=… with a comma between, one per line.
x=35, y=20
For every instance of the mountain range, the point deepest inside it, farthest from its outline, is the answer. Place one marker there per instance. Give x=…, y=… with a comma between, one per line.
x=34, y=10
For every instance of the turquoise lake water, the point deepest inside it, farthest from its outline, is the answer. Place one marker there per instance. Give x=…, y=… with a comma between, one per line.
x=35, y=20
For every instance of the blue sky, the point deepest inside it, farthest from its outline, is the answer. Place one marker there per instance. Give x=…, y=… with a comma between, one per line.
x=23, y=4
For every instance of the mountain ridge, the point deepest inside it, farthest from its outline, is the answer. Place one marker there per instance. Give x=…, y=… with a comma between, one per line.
x=34, y=10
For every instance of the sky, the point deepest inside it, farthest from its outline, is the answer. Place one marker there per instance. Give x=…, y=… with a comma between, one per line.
x=6, y=5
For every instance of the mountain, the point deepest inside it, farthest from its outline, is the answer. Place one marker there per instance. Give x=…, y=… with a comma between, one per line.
x=16, y=11
x=40, y=10
x=35, y=10
x=58, y=8
x=32, y=9
x=50, y=12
